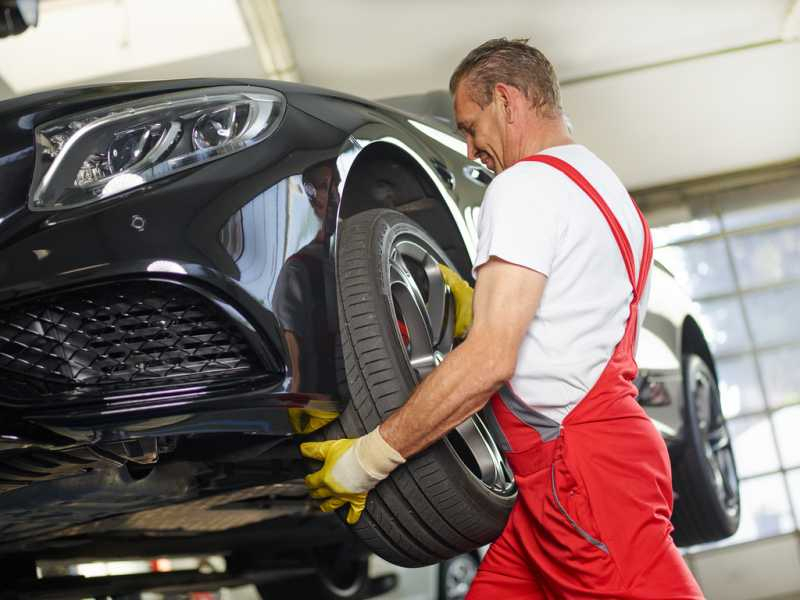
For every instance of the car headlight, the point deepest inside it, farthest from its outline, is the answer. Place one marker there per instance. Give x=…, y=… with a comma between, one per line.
x=95, y=155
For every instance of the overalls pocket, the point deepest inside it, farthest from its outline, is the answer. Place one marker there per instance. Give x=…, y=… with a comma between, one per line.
x=573, y=504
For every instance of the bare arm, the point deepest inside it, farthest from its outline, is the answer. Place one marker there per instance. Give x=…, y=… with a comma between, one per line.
x=293, y=346
x=505, y=301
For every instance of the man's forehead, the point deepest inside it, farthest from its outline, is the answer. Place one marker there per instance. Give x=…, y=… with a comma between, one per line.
x=319, y=175
x=464, y=107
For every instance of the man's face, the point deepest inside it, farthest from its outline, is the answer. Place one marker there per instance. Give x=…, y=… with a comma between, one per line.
x=483, y=128
x=323, y=193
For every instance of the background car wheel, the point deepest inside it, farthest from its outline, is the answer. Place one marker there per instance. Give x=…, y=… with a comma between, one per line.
x=704, y=476
x=341, y=573
x=396, y=322
x=456, y=575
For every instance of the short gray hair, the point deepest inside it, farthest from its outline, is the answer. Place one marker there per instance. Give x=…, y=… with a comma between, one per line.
x=514, y=63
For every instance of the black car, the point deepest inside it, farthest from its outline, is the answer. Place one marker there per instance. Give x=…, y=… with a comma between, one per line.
x=196, y=274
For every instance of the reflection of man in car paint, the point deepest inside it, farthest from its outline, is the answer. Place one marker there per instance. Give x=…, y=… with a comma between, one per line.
x=304, y=300
x=321, y=184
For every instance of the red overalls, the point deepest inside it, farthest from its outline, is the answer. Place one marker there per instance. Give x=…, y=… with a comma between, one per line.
x=592, y=518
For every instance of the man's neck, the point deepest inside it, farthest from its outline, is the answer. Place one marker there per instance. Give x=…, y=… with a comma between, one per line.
x=546, y=139
x=542, y=133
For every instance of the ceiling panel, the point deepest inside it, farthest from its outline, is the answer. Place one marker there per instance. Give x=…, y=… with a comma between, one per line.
x=390, y=48
x=92, y=40
x=693, y=119
x=669, y=123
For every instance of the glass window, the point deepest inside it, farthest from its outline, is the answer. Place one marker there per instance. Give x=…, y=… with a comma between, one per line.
x=793, y=478
x=723, y=325
x=781, y=372
x=753, y=445
x=767, y=312
x=750, y=215
x=765, y=509
x=701, y=268
x=740, y=392
x=767, y=256
x=742, y=272
x=787, y=430
x=687, y=230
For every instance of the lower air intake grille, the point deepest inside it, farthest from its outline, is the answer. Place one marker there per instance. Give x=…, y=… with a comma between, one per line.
x=125, y=334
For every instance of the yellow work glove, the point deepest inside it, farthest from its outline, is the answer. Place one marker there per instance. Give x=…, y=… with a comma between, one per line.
x=351, y=468
x=306, y=420
x=462, y=294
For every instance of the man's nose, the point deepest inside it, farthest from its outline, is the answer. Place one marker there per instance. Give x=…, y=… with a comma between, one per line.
x=470, y=148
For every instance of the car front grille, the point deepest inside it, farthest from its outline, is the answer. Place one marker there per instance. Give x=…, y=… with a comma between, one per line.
x=124, y=334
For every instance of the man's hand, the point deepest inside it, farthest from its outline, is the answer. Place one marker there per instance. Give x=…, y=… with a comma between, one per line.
x=351, y=468
x=308, y=420
x=462, y=294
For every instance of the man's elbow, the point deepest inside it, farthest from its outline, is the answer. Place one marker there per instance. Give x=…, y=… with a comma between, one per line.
x=501, y=370
x=497, y=361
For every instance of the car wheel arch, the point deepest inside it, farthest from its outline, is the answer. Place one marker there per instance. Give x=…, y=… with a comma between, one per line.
x=387, y=173
x=694, y=342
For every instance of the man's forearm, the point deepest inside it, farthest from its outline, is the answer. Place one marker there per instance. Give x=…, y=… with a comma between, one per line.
x=458, y=388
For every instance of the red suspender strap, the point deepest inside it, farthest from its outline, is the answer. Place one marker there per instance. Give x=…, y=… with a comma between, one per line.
x=616, y=229
x=647, y=253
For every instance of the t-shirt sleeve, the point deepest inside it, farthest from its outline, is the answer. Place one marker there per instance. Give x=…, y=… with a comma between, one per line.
x=291, y=299
x=519, y=220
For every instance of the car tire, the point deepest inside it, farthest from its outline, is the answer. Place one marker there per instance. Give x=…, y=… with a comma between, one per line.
x=704, y=475
x=456, y=495
x=319, y=586
x=456, y=575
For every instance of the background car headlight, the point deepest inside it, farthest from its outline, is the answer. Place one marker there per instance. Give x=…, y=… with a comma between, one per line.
x=95, y=155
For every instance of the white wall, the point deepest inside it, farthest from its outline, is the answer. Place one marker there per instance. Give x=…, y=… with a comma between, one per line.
x=758, y=570
x=692, y=119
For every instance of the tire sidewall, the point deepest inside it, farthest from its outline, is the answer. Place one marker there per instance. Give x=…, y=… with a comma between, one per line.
x=693, y=441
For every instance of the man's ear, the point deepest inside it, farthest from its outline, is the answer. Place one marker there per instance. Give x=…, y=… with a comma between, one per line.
x=505, y=95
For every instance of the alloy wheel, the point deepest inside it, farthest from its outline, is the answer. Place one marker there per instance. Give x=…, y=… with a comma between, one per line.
x=716, y=441
x=424, y=312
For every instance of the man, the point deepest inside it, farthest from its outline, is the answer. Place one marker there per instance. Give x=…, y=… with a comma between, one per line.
x=561, y=271
x=304, y=299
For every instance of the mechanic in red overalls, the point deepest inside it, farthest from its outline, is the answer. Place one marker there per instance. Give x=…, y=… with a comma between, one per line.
x=561, y=289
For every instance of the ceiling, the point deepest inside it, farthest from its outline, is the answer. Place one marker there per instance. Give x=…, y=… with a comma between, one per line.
x=664, y=90
x=80, y=41
x=669, y=122
x=378, y=49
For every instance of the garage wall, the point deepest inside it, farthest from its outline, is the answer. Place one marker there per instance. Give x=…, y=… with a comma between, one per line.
x=736, y=251
x=766, y=569
x=676, y=122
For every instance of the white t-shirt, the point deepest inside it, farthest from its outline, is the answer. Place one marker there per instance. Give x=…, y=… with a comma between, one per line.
x=535, y=216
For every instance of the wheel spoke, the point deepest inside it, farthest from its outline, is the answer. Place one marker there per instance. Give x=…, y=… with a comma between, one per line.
x=406, y=294
x=718, y=439
x=404, y=273
x=730, y=480
x=702, y=402
x=402, y=276
x=437, y=300
x=720, y=443
x=720, y=457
